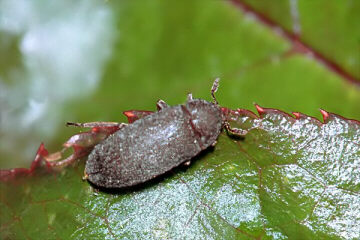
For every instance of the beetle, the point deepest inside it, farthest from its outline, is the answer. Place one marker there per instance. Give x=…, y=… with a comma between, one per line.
x=156, y=143
x=124, y=155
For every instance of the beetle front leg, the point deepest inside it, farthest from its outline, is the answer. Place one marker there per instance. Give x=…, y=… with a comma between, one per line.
x=214, y=88
x=235, y=131
x=234, y=116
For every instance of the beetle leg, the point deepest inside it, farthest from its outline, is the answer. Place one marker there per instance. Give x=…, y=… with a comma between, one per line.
x=86, y=176
x=187, y=163
x=189, y=97
x=235, y=131
x=214, y=88
x=161, y=104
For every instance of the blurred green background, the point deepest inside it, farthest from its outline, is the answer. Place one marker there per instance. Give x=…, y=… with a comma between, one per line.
x=90, y=60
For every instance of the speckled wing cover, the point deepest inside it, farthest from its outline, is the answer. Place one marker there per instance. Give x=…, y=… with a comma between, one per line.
x=143, y=150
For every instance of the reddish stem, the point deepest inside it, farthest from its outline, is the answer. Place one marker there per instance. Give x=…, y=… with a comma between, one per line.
x=7, y=174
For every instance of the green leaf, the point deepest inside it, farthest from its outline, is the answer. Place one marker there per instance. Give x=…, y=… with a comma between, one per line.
x=324, y=30
x=287, y=179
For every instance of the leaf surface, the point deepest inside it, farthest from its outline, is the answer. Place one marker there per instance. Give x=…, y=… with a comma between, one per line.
x=288, y=178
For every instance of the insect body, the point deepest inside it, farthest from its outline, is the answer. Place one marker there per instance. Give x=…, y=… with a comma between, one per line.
x=154, y=144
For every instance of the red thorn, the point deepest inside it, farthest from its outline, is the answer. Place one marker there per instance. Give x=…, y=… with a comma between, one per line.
x=129, y=114
x=260, y=110
x=42, y=150
x=296, y=114
x=8, y=174
x=40, y=154
x=133, y=115
x=95, y=129
x=325, y=115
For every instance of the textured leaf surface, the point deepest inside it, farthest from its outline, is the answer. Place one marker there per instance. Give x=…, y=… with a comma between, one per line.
x=288, y=178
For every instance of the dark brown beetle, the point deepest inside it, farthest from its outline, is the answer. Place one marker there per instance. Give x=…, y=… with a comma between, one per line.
x=155, y=144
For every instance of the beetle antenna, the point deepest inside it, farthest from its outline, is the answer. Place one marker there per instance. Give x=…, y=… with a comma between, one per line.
x=214, y=88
